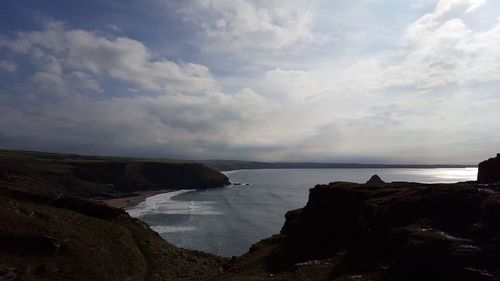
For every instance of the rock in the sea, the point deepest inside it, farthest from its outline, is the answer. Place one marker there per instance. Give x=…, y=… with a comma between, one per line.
x=375, y=179
x=489, y=170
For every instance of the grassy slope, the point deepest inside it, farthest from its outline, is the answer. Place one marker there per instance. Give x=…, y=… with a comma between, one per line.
x=100, y=176
x=44, y=237
x=62, y=164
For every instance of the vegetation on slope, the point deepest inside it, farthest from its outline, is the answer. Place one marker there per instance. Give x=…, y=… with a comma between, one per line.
x=46, y=236
x=108, y=177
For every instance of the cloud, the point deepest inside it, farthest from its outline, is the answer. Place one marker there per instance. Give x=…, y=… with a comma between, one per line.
x=120, y=58
x=444, y=6
x=187, y=116
x=236, y=26
x=440, y=51
x=426, y=94
x=173, y=125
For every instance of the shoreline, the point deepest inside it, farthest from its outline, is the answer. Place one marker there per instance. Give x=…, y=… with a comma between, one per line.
x=132, y=201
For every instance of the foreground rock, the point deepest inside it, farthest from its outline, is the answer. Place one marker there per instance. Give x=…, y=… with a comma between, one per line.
x=489, y=171
x=398, y=231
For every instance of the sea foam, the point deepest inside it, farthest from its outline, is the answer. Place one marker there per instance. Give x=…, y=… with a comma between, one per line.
x=171, y=229
x=166, y=204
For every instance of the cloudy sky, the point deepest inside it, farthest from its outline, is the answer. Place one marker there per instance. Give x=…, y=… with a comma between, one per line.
x=324, y=80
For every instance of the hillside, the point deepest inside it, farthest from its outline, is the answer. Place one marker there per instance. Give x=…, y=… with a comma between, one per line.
x=109, y=177
x=44, y=236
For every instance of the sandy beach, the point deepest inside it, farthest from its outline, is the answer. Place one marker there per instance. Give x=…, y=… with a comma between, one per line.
x=130, y=201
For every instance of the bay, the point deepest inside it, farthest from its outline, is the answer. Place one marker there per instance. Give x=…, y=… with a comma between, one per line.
x=227, y=221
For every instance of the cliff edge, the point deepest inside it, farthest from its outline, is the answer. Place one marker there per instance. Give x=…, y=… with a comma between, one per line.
x=107, y=177
x=390, y=232
x=489, y=171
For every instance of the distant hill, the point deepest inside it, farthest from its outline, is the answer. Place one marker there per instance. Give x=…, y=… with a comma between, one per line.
x=109, y=177
x=229, y=165
x=60, y=162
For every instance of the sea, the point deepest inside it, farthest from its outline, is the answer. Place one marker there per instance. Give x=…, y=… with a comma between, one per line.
x=227, y=221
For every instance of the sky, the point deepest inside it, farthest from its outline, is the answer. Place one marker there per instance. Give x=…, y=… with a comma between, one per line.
x=369, y=81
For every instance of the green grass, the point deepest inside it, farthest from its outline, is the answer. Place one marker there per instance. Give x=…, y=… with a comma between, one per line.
x=74, y=246
x=100, y=176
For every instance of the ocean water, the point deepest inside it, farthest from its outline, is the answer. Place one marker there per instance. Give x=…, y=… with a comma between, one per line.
x=227, y=221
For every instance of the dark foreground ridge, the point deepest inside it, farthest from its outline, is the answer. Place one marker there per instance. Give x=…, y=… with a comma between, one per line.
x=347, y=231
x=45, y=235
x=396, y=231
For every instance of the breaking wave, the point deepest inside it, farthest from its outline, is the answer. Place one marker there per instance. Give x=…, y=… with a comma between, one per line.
x=165, y=204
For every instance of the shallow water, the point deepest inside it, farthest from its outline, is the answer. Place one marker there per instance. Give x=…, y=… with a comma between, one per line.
x=227, y=221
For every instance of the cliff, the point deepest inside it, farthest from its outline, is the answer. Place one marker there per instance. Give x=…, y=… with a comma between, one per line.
x=397, y=231
x=141, y=175
x=489, y=170
x=109, y=177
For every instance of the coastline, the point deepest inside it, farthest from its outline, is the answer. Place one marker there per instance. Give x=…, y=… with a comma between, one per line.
x=132, y=201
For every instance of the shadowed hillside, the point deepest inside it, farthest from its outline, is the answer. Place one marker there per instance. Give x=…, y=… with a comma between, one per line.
x=398, y=231
x=109, y=177
x=47, y=236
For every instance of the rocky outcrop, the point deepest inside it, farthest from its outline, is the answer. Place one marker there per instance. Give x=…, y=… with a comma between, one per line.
x=389, y=232
x=489, y=171
x=375, y=179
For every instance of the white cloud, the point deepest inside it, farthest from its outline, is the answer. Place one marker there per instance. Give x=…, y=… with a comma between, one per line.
x=428, y=96
x=442, y=51
x=238, y=26
x=189, y=115
x=444, y=6
x=296, y=84
x=174, y=125
x=120, y=58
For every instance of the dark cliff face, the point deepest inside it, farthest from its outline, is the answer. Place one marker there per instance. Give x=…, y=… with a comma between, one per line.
x=398, y=231
x=104, y=176
x=138, y=175
x=489, y=170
